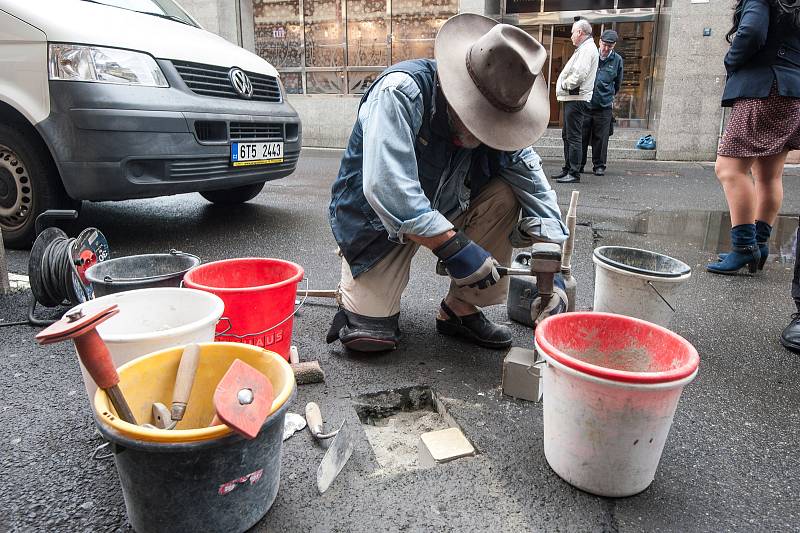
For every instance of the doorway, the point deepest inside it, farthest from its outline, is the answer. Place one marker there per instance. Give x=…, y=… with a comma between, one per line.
x=636, y=46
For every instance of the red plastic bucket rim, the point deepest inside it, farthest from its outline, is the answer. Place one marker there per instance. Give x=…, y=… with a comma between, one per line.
x=187, y=279
x=674, y=374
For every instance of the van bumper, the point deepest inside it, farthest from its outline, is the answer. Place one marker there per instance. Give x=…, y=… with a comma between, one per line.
x=117, y=142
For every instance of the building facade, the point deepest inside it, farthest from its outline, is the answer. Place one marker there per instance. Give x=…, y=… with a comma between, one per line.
x=329, y=51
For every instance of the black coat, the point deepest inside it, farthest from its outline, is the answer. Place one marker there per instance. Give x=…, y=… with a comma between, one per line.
x=766, y=48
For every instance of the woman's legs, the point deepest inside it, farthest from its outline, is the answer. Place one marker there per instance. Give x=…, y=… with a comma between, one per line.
x=740, y=192
x=734, y=175
x=768, y=174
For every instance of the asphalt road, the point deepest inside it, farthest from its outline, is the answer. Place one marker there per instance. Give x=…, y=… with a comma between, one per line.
x=731, y=462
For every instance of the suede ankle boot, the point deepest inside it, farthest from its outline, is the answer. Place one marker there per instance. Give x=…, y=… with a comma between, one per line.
x=744, y=252
x=763, y=231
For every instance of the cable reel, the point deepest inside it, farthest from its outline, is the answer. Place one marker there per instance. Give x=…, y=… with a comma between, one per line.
x=57, y=266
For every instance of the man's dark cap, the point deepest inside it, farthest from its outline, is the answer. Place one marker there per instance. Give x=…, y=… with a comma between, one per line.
x=609, y=36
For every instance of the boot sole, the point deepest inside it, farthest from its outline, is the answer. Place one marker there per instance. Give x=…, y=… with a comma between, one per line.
x=790, y=345
x=457, y=330
x=370, y=345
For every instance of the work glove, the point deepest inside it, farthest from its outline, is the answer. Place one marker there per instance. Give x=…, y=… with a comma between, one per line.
x=466, y=263
x=526, y=233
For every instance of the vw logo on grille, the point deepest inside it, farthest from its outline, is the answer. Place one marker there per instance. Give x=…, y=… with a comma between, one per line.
x=241, y=83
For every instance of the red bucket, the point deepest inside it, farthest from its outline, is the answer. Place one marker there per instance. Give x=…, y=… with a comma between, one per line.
x=259, y=296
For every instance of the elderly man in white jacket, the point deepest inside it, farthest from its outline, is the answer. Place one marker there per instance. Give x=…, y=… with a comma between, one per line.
x=574, y=88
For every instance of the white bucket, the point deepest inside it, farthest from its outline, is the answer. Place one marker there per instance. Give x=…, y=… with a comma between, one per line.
x=638, y=283
x=150, y=320
x=605, y=435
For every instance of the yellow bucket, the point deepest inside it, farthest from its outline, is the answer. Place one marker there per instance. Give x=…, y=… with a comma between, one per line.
x=151, y=378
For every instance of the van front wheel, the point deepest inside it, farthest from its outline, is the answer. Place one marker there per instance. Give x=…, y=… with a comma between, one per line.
x=29, y=185
x=236, y=195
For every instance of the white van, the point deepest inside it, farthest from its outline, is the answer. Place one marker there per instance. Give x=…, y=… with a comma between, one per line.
x=120, y=99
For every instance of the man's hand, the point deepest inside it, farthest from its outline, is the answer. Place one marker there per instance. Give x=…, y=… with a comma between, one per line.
x=467, y=263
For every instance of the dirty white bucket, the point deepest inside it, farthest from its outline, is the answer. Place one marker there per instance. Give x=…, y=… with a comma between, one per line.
x=152, y=319
x=611, y=388
x=638, y=283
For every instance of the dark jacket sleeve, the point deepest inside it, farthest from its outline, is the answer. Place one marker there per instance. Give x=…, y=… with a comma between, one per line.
x=751, y=34
x=618, y=79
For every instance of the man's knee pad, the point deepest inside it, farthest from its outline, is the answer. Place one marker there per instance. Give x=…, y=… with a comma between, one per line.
x=363, y=333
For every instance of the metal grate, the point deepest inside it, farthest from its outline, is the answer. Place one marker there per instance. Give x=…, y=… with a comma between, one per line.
x=240, y=131
x=221, y=167
x=211, y=80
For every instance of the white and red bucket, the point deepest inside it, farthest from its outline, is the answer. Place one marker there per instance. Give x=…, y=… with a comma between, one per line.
x=611, y=388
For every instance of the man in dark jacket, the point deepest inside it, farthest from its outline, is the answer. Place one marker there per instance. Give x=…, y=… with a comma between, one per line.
x=597, y=123
x=440, y=157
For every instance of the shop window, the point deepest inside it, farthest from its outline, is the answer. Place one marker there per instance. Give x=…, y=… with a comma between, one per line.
x=292, y=82
x=359, y=82
x=636, y=48
x=278, y=32
x=367, y=33
x=344, y=56
x=324, y=33
x=325, y=82
x=415, y=24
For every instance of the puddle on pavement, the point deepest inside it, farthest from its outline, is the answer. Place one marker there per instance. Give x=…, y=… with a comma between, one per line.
x=394, y=420
x=710, y=230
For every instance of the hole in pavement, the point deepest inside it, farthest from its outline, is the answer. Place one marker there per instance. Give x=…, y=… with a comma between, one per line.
x=394, y=421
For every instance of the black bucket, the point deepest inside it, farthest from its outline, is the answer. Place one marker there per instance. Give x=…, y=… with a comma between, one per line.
x=140, y=272
x=225, y=484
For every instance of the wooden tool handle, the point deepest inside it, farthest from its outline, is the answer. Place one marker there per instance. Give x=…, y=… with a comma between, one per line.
x=96, y=358
x=184, y=380
x=566, y=255
x=314, y=419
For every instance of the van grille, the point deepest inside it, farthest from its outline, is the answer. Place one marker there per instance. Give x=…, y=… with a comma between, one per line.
x=256, y=130
x=211, y=80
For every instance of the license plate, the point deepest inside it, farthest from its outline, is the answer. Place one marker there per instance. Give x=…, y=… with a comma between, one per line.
x=243, y=154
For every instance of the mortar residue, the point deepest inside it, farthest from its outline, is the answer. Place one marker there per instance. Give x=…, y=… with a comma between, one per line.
x=394, y=439
x=630, y=359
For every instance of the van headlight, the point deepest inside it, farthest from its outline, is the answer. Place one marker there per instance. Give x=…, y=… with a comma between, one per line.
x=75, y=62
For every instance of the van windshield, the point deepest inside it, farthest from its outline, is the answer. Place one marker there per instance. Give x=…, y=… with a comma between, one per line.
x=158, y=8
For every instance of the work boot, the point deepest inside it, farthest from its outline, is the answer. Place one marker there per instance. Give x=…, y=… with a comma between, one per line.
x=564, y=172
x=570, y=178
x=474, y=327
x=364, y=333
x=790, y=338
x=744, y=253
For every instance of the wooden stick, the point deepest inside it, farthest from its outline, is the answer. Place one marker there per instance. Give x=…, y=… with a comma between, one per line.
x=566, y=254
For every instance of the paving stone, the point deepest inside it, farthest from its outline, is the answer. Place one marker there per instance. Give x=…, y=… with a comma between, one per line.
x=436, y=447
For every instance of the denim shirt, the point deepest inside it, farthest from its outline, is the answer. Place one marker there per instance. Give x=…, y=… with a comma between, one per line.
x=390, y=118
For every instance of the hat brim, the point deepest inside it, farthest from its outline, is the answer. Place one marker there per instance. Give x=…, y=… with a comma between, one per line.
x=493, y=127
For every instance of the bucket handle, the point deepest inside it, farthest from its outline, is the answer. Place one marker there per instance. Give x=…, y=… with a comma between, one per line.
x=96, y=454
x=660, y=296
x=246, y=335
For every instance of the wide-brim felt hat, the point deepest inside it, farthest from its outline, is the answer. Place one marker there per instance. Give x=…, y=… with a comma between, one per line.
x=491, y=75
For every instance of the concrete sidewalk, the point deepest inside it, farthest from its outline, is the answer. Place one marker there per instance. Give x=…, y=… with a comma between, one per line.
x=731, y=462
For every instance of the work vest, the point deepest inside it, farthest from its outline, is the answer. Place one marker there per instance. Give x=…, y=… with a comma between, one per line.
x=358, y=230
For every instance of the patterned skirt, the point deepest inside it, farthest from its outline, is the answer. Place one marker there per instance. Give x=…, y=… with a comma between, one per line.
x=761, y=127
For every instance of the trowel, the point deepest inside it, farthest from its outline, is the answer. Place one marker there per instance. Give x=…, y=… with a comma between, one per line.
x=339, y=450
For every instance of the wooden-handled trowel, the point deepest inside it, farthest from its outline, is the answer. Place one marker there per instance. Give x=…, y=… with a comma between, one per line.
x=339, y=450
